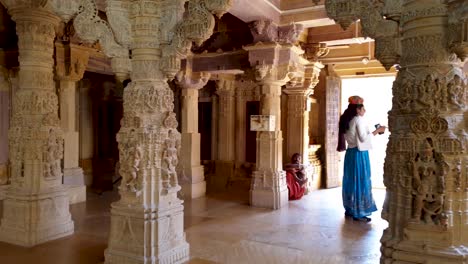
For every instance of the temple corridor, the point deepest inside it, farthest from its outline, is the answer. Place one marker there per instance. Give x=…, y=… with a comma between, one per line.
x=225, y=229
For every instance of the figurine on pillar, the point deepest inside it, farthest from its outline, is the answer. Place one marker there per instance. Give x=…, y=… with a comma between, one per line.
x=428, y=186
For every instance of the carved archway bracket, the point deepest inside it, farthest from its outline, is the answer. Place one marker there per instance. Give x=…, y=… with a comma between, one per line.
x=90, y=28
x=374, y=25
x=197, y=28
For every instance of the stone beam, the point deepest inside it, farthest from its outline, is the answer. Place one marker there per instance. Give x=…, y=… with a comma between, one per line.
x=248, y=10
x=335, y=35
x=218, y=62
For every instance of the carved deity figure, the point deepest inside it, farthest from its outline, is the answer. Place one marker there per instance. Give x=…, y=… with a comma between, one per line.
x=131, y=166
x=170, y=161
x=428, y=186
x=456, y=92
x=404, y=102
x=52, y=155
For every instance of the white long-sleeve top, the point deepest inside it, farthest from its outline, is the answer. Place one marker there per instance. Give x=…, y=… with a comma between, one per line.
x=358, y=134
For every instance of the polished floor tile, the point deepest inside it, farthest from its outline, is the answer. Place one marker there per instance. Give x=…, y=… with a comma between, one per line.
x=222, y=228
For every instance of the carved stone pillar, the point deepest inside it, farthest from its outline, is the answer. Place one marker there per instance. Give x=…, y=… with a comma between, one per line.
x=71, y=63
x=276, y=61
x=269, y=187
x=297, y=123
x=192, y=177
x=147, y=222
x=427, y=158
x=35, y=209
x=226, y=131
x=298, y=103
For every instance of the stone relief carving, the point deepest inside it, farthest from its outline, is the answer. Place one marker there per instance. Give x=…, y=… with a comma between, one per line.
x=91, y=28
x=189, y=80
x=170, y=160
x=197, y=27
x=428, y=185
x=427, y=121
x=53, y=153
x=385, y=32
x=35, y=136
x=161, y=33
x=267, y=31
x=117, y=11
x=429, y=93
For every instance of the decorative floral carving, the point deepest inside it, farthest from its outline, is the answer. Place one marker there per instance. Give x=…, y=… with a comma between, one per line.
x=64, y=8
x=117, y=15
x=91, y=28
x=197, y=28
x=344, y=12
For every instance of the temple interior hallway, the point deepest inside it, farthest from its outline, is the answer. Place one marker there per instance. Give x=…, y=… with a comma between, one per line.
x=224, y=229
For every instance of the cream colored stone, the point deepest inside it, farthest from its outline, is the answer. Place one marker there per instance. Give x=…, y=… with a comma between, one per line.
x=191, y=174
x=76, y=193
x=425, y=203
x=36, y=205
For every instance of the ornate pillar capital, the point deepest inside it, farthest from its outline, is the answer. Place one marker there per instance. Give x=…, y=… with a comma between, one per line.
x=314, y=51
x=275, y=63
x=267, y=31
x=192, y=80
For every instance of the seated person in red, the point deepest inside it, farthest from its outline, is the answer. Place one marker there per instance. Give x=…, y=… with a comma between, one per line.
x=295, y=177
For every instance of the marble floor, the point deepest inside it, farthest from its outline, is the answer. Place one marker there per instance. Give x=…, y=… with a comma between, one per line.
x=224, y=229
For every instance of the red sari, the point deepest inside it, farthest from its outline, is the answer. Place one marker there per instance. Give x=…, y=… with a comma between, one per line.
x=295, y=190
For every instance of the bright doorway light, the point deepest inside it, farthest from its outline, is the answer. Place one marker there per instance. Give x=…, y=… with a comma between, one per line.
x=377, y=94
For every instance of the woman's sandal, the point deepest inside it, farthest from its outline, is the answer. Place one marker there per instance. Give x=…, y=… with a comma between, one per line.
x=362, y=219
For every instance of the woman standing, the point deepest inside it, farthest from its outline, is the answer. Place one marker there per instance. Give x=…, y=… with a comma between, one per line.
x=357, y=193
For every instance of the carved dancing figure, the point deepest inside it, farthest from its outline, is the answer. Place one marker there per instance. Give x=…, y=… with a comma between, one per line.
x=170, y=159
x=428, y=185
x=456, y=92
x=133, y=166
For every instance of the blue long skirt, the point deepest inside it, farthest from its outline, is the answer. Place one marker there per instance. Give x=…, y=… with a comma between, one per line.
x=357, y=187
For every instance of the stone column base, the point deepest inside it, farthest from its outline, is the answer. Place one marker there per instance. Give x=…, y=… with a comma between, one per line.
x=73, y=176
x=269, y=189
x=223, y=171
x=194, y=190
x=32, y=219
x=193, y=183
x=76, y=193
x=146, y=236
x=428, y=254
x=74, y=181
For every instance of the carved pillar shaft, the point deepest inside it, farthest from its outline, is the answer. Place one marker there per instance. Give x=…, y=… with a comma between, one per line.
x=241, y=101
x=36, y=206
x=192, y=180
x=147, y=222
x=426, y=161
x=73, y=174
x=226, y=132
x=226, y=106
x=269, y=187
x=70, y=65
x=298, y=124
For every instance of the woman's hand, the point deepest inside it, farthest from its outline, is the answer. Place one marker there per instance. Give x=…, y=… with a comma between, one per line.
x=381, y=129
